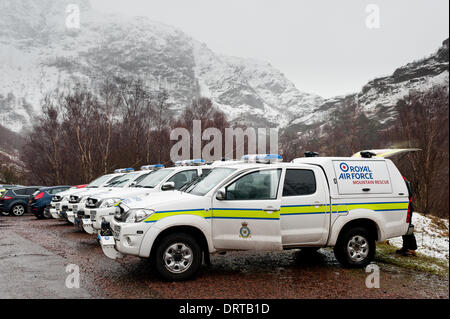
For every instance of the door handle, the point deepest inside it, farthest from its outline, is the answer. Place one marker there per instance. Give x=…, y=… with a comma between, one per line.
x=317, y=204
x=270, y=209
x=366, y=189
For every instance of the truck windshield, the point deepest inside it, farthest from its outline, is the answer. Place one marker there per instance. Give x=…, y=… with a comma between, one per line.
x=122, y=180
x=152, y=180
x=101, y=180
x=203, y=185
x=205, y=173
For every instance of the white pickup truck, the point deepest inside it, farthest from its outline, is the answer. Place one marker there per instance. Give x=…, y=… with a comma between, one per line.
x=59, y=203
x=345, y=203
x=77, y=202
x=102, y=207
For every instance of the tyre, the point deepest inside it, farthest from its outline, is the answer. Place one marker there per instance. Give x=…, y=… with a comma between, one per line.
x=18, y=210
x=178, y=257
x=355, y=248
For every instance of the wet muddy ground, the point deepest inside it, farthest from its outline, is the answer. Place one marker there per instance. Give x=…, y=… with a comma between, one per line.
x=286, y=274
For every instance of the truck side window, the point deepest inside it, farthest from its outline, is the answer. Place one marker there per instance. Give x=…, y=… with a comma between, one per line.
x=299, y=182
x=183, y=177
x=261, y=185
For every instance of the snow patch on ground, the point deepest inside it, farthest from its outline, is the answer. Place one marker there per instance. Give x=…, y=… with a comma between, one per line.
x=432, y=240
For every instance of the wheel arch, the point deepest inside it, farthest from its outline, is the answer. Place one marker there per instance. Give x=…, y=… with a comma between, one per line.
x=361, y=219
x=197, y=226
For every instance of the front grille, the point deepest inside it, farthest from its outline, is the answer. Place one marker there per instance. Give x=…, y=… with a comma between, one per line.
x=74, y=199
x=92, y=203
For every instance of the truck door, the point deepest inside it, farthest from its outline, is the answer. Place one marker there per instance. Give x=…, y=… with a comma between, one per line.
x=248, y=217
x=304, y=207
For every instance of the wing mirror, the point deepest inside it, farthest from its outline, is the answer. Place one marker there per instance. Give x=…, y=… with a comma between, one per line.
x=221, y=194
x=133, y=184
x=168, y=186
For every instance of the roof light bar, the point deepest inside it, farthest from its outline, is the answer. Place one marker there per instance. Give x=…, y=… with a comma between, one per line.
x=262, y=158
x=152, y=167
x=193, y=162
x=124, y=170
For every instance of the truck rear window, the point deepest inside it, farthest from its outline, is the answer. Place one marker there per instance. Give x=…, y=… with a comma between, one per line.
x=362, y=177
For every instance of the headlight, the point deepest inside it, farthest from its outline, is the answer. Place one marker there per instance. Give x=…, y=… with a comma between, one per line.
x=138, y=215
x=110, y=202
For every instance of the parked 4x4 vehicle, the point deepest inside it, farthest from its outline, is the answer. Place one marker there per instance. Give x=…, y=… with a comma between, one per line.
x=102, y=207
x=40, y=200
x=345, y=203
x=59, y=203
x=15, y=200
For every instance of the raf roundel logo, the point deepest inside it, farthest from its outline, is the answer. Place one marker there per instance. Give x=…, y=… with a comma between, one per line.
x=343, y=167
x=244, y=232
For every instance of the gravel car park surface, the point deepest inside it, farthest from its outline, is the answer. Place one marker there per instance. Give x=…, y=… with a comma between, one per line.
x=286, y=274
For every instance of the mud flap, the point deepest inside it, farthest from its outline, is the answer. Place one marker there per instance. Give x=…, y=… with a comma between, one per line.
x=108, y=246
x=87, y=226
x=54, y=213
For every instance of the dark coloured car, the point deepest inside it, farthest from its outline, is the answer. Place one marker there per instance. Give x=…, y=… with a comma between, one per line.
x=4, y=188
x=39, y=201
x=15, y=201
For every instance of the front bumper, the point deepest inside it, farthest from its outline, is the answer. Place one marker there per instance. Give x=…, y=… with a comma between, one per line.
x=108, y=244
x=87, y=225
x=71, y=216
x=126, y=239
x=54, y=213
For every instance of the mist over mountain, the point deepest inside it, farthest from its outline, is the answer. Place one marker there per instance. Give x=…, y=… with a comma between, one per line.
x=378, y=97
x=40, y=55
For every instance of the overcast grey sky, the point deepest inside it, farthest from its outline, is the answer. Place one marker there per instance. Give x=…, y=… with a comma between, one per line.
x=323, y=46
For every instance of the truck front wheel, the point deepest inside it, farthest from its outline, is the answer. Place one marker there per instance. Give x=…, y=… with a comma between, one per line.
x=355, y=248
x=178, y=257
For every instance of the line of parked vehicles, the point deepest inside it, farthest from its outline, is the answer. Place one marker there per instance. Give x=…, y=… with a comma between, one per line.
x=178, y=216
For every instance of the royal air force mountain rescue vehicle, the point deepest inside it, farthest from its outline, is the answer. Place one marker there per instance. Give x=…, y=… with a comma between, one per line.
x=262, y=203
x=101, y=207
x=59, y=203
x=77, y=202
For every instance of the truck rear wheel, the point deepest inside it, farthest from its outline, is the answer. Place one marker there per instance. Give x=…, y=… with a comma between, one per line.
x=355, y=248
x=178, y=257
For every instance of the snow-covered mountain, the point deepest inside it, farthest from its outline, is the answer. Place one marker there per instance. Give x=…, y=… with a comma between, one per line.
x=39, y=54
x=379, y=96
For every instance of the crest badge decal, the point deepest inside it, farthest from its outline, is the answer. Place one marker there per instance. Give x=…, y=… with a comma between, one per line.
x=244, y=232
